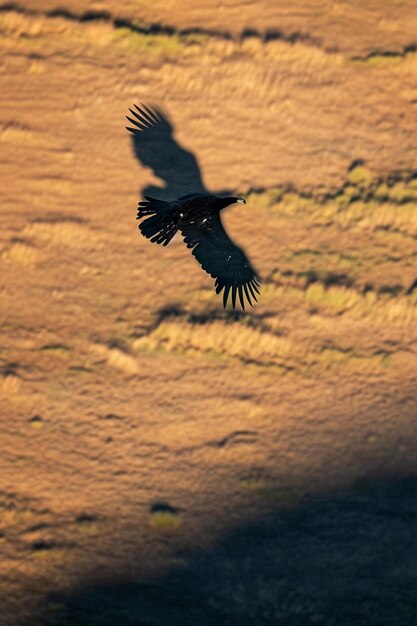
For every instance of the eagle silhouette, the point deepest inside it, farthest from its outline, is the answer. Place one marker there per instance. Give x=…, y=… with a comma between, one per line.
x=195, y=215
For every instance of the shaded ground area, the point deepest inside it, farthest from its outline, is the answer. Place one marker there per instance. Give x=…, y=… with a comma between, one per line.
x=343, y=558
x=158, y=454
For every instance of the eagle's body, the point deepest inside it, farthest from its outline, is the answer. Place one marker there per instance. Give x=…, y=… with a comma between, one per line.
x=192, y=208
x=197, y=217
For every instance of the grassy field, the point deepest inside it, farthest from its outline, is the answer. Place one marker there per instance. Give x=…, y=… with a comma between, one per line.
x=163, y=459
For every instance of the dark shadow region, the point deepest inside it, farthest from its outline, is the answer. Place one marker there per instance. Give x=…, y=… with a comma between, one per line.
x=342, y=559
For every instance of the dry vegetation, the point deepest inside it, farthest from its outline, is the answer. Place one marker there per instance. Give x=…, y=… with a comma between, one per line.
x=319, y=282
x=140, y=421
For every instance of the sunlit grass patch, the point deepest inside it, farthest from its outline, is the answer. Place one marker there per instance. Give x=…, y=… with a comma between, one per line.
x=294, y=203
x=37, y=422
x=62, y=231
x=16, y=516
x=10, y=385
x=399, y=359
x=381, y=59
x=334, y=355
x=267, y=199
x=268, y=489
x=164, y=517
x=264, y=342
x=364, y=200
x=360, y=175
x=388, y=304
x=56, y=348
x=162, y=45
x=13, y=133
x=88, y=524
x=382, y=215
x=333, y=298
x=391, y=309
x=122, y=361
x=159, y=46
x=21, y=252
x=238, y=340
x=88, y=528
x=117, y=357
x=165, y=521
x=403, y=191
x=45, y=551
x=254, y=485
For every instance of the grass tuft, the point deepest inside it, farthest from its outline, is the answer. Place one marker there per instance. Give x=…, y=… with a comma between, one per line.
x=165, y=521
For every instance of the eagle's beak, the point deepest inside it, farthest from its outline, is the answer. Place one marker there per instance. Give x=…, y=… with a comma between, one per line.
x=241, y=200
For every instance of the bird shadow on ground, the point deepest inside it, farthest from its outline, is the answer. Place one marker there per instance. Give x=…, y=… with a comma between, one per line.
x=343, y=558
x=155, y=147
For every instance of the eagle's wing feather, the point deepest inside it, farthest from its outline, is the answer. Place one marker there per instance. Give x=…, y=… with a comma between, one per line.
x=221, y=258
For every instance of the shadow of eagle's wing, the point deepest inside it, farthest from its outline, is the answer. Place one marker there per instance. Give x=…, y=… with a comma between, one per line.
x=154, y=146
x=145, y=118
x=222, y=259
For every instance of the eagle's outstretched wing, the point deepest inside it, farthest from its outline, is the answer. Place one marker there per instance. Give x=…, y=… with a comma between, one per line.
x=222, y=259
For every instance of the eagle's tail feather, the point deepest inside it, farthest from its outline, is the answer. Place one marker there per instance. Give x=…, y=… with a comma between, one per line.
x=160, y=225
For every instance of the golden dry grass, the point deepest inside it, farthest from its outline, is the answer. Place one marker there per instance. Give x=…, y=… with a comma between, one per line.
x=164, y=521
x=61, y=232
x=21, y=252
x=216, y=339
x=111, y=403
x=365, y=202
x=10, y=385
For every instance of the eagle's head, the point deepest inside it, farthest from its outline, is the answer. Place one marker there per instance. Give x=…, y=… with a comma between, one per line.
x=225, y=202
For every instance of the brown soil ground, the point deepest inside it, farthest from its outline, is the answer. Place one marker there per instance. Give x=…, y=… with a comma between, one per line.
x=161, y=459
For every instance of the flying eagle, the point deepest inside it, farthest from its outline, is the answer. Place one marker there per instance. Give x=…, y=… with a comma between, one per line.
x=197, y=217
